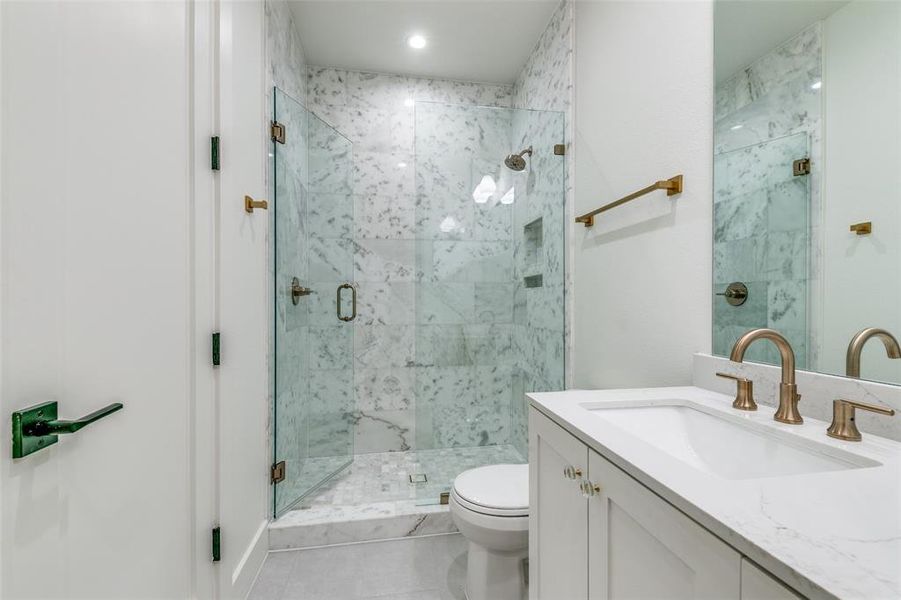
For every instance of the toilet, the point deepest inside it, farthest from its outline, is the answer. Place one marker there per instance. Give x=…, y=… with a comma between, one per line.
x=490, y=507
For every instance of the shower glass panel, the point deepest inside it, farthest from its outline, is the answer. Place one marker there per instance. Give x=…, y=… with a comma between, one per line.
x=490, y=280
x=312, y=174
x=761, y=219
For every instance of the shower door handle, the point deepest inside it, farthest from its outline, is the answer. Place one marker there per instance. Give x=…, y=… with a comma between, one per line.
x=353, y=302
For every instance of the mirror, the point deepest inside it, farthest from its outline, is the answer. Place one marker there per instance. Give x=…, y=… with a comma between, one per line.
x=807, y=178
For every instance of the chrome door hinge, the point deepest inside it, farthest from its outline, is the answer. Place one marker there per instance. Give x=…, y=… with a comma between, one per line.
x=216, y=543
x=214, y=153
x=277, y=131
x=801, y=167
x=216, y=349
x=277, y=474
x=559, y=149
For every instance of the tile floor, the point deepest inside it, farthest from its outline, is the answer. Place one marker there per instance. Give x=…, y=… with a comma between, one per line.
x=422, y=568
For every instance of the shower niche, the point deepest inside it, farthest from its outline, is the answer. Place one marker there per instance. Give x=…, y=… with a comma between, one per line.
x=533, y=234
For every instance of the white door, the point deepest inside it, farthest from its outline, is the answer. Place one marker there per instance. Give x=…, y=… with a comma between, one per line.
x=101, y=163
x=558, y=512
x=242, y=304
x=642, y=547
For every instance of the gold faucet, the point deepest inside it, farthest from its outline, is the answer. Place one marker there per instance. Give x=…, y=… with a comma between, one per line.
x=852, y=360
x=843, y=425
x=788, y=391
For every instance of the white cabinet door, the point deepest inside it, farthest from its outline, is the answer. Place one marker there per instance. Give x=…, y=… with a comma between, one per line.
x=757, y=584
x=558, y=523
x=642, y=547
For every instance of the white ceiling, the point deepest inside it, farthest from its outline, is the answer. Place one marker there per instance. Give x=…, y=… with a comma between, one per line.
x=747, y=29
x=470, y=40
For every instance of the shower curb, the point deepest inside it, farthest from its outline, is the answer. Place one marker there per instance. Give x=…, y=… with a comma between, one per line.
x=344, y=525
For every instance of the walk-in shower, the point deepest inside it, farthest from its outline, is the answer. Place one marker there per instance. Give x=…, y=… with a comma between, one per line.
x=418, y=372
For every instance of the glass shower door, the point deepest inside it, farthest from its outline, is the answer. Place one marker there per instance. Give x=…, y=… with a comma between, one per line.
x=314, y=303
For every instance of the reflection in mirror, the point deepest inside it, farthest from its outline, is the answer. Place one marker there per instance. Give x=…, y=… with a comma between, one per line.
x=807, y=179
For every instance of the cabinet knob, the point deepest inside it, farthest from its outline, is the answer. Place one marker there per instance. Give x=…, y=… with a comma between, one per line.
x=589, y=489
x=572, y=472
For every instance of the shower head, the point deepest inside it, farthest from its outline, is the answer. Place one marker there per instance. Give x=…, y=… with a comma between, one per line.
x=516, y=162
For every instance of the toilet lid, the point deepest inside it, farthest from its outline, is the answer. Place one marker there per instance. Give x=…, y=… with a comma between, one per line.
x=496, y=487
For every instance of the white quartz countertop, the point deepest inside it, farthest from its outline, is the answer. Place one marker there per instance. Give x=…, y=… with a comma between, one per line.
x=826, y=534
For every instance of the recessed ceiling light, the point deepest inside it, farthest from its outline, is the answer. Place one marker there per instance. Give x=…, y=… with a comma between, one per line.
x=401, y=165
x=408, y=102
x=736, y=127
x=416, y=41
x=816, y=85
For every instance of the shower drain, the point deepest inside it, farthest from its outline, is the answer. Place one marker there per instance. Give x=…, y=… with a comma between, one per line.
x=418, y=478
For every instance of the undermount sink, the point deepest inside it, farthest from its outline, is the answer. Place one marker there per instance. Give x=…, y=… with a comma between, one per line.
x=724, y=445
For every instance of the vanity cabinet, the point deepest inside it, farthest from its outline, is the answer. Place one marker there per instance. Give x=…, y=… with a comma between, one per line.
x=639, y=546
x=757, y=584
x=558, y=523
x=602, y=535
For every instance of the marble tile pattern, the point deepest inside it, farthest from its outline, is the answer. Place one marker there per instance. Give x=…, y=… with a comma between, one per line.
x=766, y=230
x=286, y=69
x=420, y=568
x=376, y=112
x=314, y=388
x=439, y=277
x=543, y=328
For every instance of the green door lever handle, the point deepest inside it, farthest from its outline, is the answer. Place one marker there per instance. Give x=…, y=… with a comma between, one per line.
x=37, y=427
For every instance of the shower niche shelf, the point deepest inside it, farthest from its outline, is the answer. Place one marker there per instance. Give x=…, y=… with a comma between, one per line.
x=533, y=234
x=533, y=238
x=533, y=281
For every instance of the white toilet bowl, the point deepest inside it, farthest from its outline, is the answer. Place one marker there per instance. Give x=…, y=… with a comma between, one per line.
x=490, y=507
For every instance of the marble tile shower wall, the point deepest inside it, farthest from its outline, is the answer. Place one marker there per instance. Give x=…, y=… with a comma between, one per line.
x=766, y=220
x=374, y=111
x=464, y=351
x=539, y=246
x=543, y=330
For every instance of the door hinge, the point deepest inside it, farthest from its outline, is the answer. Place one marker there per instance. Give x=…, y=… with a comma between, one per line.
x=214, y=153
x=216, y=349
x=217, y=544
x=801, y=167
x=559, y=149
x=277, y=131
x=277, y=474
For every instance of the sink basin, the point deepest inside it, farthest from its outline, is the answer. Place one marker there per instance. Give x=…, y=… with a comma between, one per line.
x=724, y=445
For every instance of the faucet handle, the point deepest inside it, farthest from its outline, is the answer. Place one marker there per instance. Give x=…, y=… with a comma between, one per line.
x=744, y=395
x=843, y=426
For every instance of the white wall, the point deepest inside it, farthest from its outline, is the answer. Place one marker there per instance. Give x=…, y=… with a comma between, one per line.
x=862, y=275
x=643, y=112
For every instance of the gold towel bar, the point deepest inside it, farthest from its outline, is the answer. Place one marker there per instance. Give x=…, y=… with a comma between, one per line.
x=672, y=186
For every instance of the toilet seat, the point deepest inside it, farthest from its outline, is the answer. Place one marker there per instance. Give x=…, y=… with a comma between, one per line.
x=495, y=490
